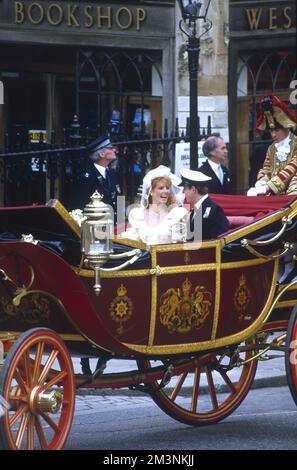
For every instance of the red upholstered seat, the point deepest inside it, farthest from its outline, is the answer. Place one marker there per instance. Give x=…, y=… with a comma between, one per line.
x=239, y=220
x=243, y=210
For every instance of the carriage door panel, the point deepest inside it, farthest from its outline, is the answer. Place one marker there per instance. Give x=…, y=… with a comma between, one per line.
x=185, y=297
x=246, y=293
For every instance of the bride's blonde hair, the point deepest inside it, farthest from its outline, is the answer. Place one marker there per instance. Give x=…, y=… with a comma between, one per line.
x=152, y=178
x=167, y=181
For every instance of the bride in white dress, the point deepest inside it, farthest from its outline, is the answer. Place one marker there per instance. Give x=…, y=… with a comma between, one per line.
x=158, y=219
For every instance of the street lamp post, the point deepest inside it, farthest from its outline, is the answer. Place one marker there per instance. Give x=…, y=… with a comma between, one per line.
x=192, y=11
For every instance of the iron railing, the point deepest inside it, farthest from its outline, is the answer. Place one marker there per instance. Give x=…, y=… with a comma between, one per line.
x=36, y=172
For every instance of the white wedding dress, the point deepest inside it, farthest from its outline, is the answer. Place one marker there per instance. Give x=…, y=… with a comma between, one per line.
x=140, y=230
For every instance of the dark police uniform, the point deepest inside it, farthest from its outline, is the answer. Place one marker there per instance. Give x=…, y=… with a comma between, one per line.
x=92, y=180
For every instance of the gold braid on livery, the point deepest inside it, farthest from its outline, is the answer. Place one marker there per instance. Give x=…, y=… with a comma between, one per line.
x=281, y=177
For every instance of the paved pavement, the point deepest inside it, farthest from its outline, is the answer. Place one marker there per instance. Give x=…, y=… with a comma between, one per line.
x=270, y=373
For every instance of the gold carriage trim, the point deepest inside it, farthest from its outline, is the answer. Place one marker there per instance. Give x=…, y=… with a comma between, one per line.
x=242, y=298
x=34, y=308
x=177, y=348
x=187, y=258
x=181, y=311
x=121, y=308
x=258, y=224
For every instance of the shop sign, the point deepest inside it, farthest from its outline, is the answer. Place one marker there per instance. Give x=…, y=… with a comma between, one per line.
x=262, y=15
x=271, y=18
x=89, y=18
x=182, y=156
x=37, y=135
x=74, y=15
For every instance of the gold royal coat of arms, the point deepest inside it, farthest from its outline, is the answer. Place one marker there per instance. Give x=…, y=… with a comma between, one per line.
x=182, y=311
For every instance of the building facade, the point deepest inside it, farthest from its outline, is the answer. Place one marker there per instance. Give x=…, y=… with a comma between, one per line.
x=106, y=61
x=249, y=52
x=212, y=71
x=262, y=60
x=126, y=61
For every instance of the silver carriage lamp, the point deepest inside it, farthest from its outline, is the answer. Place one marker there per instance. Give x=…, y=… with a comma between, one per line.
x=97, y=233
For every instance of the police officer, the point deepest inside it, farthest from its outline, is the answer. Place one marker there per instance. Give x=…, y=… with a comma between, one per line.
x=98, y=176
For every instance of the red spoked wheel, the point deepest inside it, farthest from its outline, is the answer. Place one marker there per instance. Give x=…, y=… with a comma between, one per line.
x=291, y=354
x=37, y=383
x=207, y=393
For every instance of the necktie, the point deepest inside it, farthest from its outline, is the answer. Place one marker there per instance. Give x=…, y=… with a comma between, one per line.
x=190, y=236
x=192, y=215
x=107, y=176
x=220, y=174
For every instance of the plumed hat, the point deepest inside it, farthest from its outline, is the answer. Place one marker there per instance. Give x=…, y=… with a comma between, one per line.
x=275, y=115
x=100, y=143
x=193, y=178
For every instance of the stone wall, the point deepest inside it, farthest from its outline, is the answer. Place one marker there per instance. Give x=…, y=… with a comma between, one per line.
x=213, y=71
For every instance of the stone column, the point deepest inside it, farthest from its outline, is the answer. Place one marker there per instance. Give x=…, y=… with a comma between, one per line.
x=212, y=72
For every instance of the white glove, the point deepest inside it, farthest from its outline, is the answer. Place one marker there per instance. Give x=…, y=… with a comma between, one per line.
x=263, y=189
x=258, y=191
x=252, y=192
x=260, y=183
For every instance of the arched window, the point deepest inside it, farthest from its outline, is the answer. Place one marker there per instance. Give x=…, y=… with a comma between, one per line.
x=118, y=81
x=261, y=74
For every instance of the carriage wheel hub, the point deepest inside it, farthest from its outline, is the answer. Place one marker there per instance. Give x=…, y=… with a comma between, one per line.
x=45, y=401
x=15, y=392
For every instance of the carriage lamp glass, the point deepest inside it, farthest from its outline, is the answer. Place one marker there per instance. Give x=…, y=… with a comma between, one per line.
x=97, y=238
x=194, y=9
x=97, y=233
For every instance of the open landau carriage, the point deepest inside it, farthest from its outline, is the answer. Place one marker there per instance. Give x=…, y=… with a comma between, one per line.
x=185, y=312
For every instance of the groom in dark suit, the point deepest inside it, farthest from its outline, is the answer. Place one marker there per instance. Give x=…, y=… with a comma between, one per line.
x=214, y=148
x=207, y=219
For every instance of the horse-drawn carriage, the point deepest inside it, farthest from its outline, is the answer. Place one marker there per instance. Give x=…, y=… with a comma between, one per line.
x=184, y=312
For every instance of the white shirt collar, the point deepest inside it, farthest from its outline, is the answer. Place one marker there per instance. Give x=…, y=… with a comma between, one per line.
x=215, y=166
x=284, y=143
x=198, y=203
x=283, y=148
x=101, y=169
